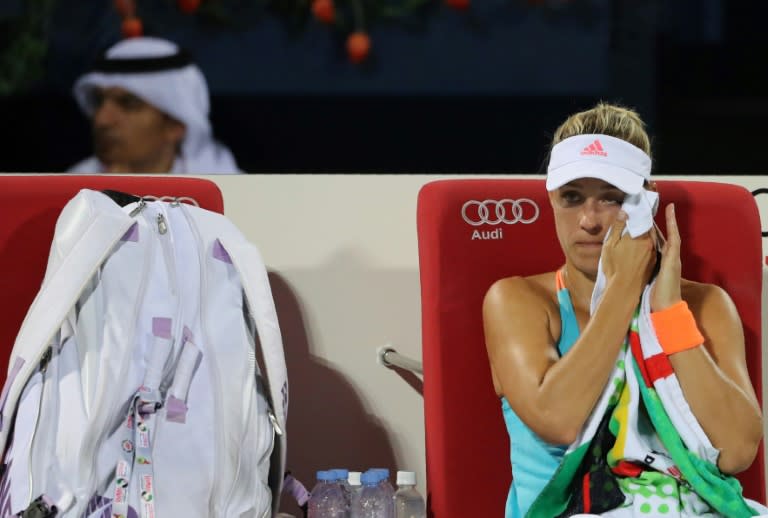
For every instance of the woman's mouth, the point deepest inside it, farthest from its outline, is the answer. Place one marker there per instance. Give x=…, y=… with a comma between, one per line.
x=589, y=244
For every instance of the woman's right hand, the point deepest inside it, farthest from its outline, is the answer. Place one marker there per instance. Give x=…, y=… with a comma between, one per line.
x=626, y=260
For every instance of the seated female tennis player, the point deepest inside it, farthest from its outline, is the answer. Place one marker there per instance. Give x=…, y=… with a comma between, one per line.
x=563, y=366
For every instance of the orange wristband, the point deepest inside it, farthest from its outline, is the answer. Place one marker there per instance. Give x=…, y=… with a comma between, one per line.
x=676, y=328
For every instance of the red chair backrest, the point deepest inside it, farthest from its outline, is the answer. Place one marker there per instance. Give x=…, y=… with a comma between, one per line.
x=463, y=249
x=29, y=207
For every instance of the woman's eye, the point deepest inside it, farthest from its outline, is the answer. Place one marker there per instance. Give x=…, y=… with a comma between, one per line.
x=571, y=197
x=613, y=200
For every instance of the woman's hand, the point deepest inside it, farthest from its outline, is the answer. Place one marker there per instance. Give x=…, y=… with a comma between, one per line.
x=626, y=260
x=666, y=291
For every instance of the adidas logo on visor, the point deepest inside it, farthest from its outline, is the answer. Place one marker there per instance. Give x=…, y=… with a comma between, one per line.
x=594, y=149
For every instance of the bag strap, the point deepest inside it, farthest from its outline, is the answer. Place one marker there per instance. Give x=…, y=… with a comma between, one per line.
x=59, y=292
x=248, y=262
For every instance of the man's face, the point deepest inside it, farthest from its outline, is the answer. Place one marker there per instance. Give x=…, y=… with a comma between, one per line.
x=131, y=135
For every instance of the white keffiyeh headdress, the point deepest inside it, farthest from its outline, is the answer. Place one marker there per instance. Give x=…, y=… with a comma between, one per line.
x=163, y=75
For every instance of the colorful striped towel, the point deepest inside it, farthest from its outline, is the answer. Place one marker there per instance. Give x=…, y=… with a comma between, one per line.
x=642, y=452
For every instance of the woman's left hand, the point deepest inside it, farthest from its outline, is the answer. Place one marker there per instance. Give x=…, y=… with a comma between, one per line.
x=666, y=291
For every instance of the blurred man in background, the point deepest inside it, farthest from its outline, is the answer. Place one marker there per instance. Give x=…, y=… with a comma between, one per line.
x=149, y=104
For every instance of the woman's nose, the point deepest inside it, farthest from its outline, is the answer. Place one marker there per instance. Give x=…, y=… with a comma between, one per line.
x=591, y=219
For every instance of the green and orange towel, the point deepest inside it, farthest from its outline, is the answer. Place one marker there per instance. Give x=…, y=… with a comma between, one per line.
x=642, y=452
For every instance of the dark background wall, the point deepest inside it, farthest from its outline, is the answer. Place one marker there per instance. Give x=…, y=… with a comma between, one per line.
x=445, y=92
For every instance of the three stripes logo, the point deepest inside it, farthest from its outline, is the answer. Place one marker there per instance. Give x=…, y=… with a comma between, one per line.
x=594, y=149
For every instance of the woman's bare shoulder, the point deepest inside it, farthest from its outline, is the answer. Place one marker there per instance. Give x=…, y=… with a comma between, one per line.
x=710, y=303
x=519, y=315
x=522, y=290
x=697, y=293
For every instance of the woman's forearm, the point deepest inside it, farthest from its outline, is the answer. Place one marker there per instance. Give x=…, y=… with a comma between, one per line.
x=727, y=415
x=570, y=388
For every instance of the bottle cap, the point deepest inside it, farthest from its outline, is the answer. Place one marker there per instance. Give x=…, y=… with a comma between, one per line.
x=384, y=472
x=340, y=474
x=354, y=478
x=406, y=478
x=370, y=478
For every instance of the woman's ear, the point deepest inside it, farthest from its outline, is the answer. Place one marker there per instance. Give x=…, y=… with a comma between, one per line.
x=651, y=186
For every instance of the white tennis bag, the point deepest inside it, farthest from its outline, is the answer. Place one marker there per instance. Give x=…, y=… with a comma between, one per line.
x=134, y=387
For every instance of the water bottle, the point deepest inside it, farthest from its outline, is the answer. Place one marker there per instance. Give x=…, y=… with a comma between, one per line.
x=340, y=477
x=316, y=496
x=387, y=491
x=408, y=500
x=371, y=503
x=355, y=488
x=327, y=499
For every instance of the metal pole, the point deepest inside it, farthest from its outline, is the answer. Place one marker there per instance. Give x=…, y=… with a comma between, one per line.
x=391, y=358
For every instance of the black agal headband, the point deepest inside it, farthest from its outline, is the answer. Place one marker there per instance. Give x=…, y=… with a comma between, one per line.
x=140, y=65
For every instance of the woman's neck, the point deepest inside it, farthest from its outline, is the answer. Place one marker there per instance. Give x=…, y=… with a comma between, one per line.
x=580, y=287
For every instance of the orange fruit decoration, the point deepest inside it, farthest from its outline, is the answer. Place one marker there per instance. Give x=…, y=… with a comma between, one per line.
x=324, y=10
x=125, y=8
x=188, y=6
x=358, y=46
x=461, y=5
x=132, y=27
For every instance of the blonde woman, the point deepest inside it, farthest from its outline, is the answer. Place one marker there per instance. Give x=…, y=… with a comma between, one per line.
x=551, y=357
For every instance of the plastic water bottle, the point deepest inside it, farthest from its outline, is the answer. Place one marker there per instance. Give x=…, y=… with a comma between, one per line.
x=408, y=500
x=314, y=506
x=327, y=499
x=372, y=502
x=355, y=488
x=387, y=491
x=340, y=477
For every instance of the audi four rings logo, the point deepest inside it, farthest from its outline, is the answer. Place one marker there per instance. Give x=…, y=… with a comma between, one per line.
x=493, y=212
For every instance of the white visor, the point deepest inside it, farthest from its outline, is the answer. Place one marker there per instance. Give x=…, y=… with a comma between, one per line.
x=607, y=158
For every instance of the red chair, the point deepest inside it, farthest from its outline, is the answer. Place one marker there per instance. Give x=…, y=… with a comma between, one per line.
x=463, y=249
x=29, y=206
